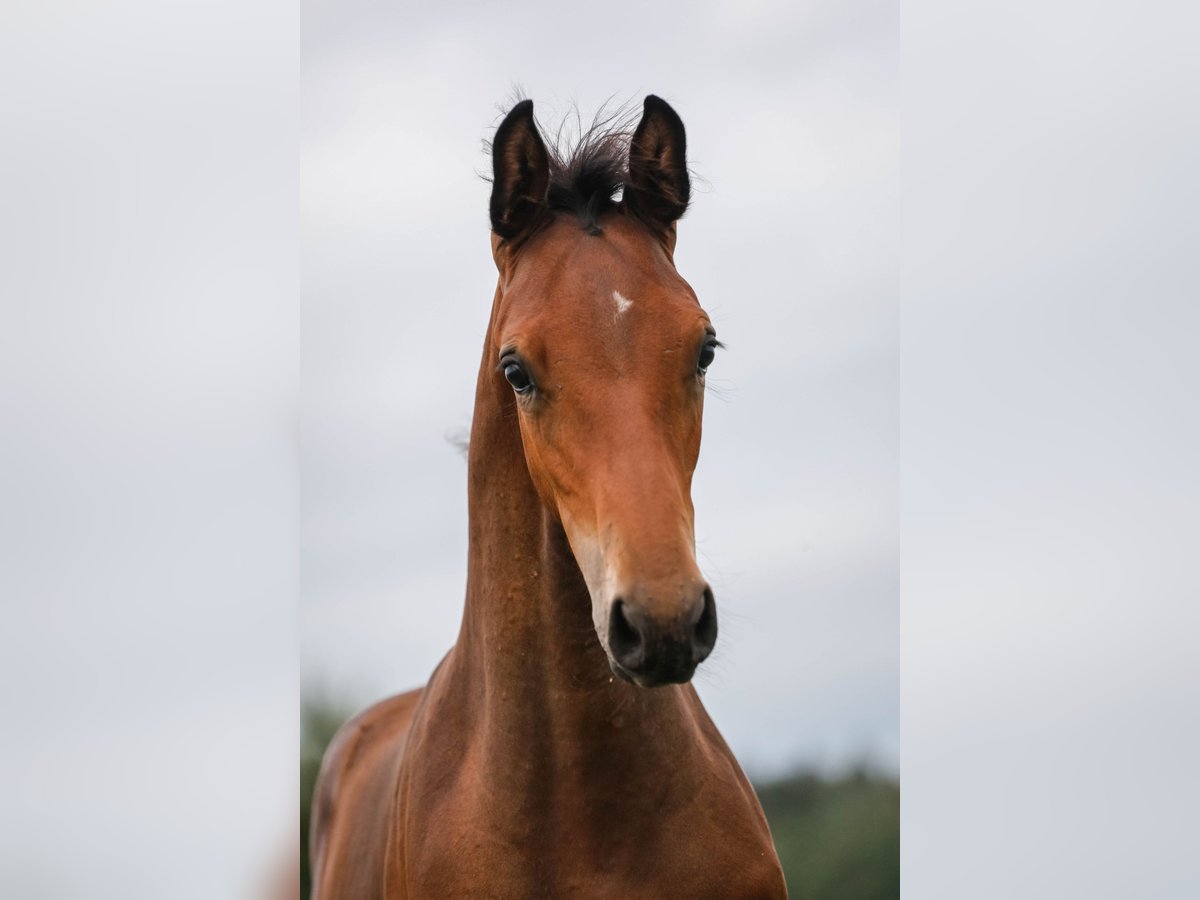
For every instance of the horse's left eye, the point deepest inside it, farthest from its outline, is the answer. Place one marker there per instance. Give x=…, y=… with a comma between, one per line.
x=707, y=354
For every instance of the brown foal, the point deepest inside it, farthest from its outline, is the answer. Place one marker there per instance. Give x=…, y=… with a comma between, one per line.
x=559, y=749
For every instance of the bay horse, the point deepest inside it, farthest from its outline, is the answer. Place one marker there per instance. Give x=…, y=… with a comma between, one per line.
x=559, y=749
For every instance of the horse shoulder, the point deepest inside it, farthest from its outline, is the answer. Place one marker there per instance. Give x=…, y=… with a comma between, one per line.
x=352, y=801
x=747, y=845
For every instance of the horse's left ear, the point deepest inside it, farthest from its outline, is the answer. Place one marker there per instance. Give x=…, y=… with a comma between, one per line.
x=659, y=188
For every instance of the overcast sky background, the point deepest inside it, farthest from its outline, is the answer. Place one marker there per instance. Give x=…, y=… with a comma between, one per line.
x=791, y=245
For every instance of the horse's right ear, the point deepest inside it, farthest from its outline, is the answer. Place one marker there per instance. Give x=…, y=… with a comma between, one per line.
x=520, y=173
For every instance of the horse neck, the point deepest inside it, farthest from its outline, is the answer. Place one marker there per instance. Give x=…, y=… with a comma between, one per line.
x=528, y=651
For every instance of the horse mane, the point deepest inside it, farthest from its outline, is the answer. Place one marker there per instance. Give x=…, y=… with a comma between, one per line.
x=589, y=164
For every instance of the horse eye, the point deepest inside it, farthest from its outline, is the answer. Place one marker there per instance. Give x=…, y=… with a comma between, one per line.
x=707, y=354
x=516, y=377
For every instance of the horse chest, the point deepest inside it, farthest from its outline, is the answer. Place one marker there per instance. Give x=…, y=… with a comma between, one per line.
x=579, y=848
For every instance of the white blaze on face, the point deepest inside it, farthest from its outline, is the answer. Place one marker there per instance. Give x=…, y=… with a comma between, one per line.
x=623, y=303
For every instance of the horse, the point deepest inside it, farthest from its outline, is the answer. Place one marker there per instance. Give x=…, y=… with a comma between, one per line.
x=559, y=749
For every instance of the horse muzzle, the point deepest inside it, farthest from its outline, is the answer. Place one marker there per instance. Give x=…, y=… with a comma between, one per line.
x=651, y=650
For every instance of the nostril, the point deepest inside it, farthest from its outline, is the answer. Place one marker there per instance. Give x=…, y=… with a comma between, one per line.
x=704, y=636
x=624, y=639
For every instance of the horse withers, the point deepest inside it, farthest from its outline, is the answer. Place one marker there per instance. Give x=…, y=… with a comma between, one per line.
x=559, y=749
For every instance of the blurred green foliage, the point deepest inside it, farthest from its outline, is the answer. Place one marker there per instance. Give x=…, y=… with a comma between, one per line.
x=838, y=839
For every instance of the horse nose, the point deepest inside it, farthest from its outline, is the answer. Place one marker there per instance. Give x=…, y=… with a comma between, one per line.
x=651, y=651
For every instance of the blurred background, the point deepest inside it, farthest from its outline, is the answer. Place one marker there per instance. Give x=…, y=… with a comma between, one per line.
x=148, y=468
x=150, y=499
x=791, y=245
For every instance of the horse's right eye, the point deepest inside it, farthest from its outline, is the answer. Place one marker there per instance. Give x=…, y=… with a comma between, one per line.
x=517, y=377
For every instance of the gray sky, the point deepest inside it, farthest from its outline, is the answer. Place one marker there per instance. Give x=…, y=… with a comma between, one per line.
x=791, y=244
x=148, y=465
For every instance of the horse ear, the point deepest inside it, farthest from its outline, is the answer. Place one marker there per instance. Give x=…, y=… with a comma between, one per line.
x=521, y=173
x=659, y=187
